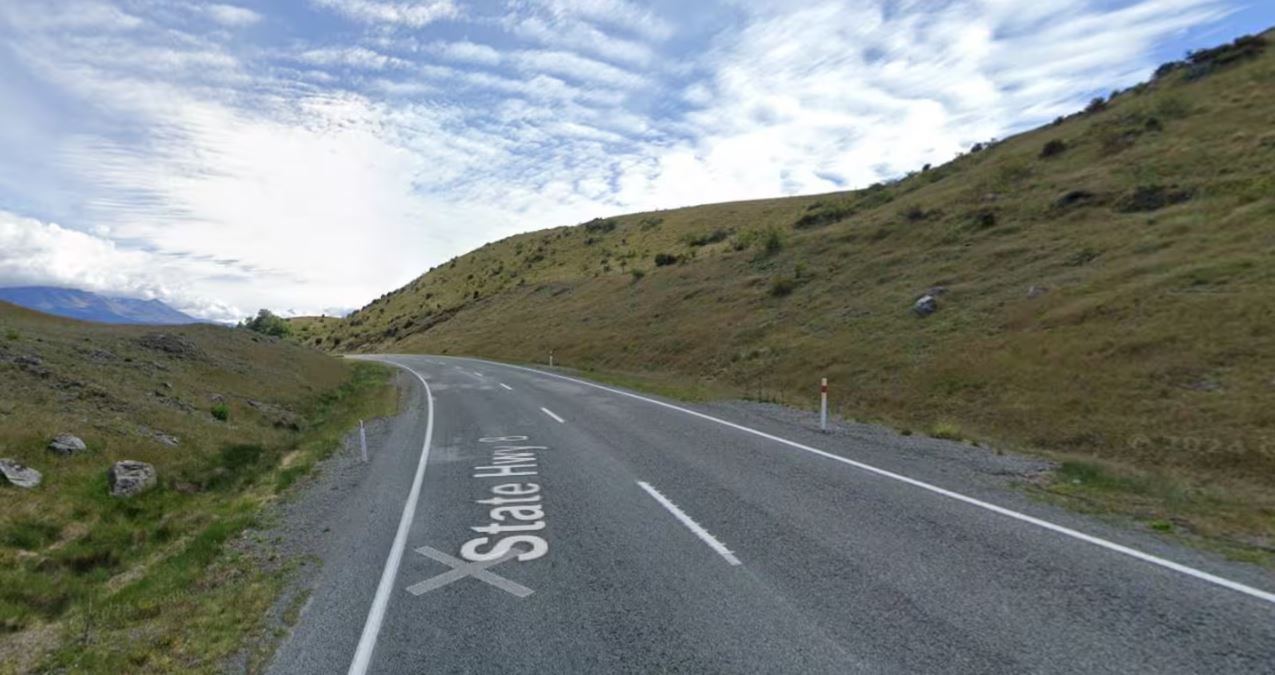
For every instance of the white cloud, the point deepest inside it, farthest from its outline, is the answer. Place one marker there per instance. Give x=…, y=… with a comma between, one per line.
x=231, y=15
x=411, y=14
x=46, y=254
x=353, y=57
x=467, y=52
x=617, y=14
x=578, y=68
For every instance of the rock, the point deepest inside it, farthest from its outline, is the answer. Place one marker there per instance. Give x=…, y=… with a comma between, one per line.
x=925, y=305
x=174, y=345
x=936, y=291
x=217, y=398
x=19, y=475
x=67, y=445
x=167, y=440
x=29, y=361
x=128, y=478
x=1037, y=291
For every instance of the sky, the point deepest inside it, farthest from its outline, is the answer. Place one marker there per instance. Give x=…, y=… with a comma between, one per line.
x=308, y=156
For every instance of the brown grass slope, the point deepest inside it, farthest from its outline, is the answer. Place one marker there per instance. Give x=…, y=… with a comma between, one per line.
x=1147, y=228
x=92, y=583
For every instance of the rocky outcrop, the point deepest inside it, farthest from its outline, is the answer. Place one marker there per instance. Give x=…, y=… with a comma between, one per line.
x=128, y=478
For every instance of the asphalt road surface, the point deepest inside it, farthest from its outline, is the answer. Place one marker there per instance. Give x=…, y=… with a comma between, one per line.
x=519, y=521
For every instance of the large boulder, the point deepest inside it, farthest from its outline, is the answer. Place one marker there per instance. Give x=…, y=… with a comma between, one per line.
x=19, y=475
x=925, y=305
x=128, y=477
x=67, y=445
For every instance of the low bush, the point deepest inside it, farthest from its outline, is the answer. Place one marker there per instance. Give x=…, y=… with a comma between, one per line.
x=221, y=411
x=706, y=238
x=600, y=225
x=1152, y=198
x=772, y=242
x=1053, y=148
x=782, y=286
x=665, y=259
x=823, y=213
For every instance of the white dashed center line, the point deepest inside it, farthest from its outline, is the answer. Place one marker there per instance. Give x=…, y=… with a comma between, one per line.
x=507, y=387
x=550, y=413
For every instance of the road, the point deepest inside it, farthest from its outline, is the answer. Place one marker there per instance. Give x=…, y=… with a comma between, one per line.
x=518, y=521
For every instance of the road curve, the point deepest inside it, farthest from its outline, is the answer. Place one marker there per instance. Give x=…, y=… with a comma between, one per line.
x=563, y=527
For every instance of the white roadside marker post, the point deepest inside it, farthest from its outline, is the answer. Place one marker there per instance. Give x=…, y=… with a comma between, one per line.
x=823, y=404
x=550, y=358
x=363, y=440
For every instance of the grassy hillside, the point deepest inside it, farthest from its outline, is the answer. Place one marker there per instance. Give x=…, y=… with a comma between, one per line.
x=1106, y=287
x=90, y=582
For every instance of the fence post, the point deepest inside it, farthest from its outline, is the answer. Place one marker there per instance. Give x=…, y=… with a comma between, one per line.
x=363, y=440
x=823, y=404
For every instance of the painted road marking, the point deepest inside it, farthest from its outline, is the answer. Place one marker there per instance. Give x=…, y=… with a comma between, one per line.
x=691, y=524
x=550, y=413
x=518, y=506
x=375, y=615
x=507, y=387
x=1022, y=517
x=476, y=375
x=461, y=569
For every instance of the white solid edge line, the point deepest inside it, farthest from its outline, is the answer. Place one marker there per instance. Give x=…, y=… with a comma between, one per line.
x=690, y=524
x=506, y=386
x=1075, y=534
x=375, y=615
x=550, y=413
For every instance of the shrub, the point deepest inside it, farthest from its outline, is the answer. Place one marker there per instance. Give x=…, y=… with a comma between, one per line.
x=823, y=213
x=665, y=259
x=781, y=286
x=772, y=242
x=650, y=222
x=600, y=226
x=1053, y=148
x=1097, y=105
x=947, y=430
x=11, y=334
x=915, y=214
x=1152, y=197
x=221, y=412
x=706, y=238
x=637, y=274
x=267, y=323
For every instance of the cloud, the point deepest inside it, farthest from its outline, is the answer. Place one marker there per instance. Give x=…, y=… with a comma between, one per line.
x=409, y=14
x=46, y=254
x=577, y=67
x=231, y=15
x=467, y=52
x=353, y=57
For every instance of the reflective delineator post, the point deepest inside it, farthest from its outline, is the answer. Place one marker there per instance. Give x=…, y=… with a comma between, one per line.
x=823, y=404
x=550, y=358
x=363, y=440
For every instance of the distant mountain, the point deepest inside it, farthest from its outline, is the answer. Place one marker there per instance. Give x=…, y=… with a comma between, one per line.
x=86, y=306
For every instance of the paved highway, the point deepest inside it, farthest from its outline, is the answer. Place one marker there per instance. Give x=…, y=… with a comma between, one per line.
x=518, y=521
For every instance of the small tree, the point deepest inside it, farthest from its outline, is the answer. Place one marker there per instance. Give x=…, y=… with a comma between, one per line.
x=267, y=323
